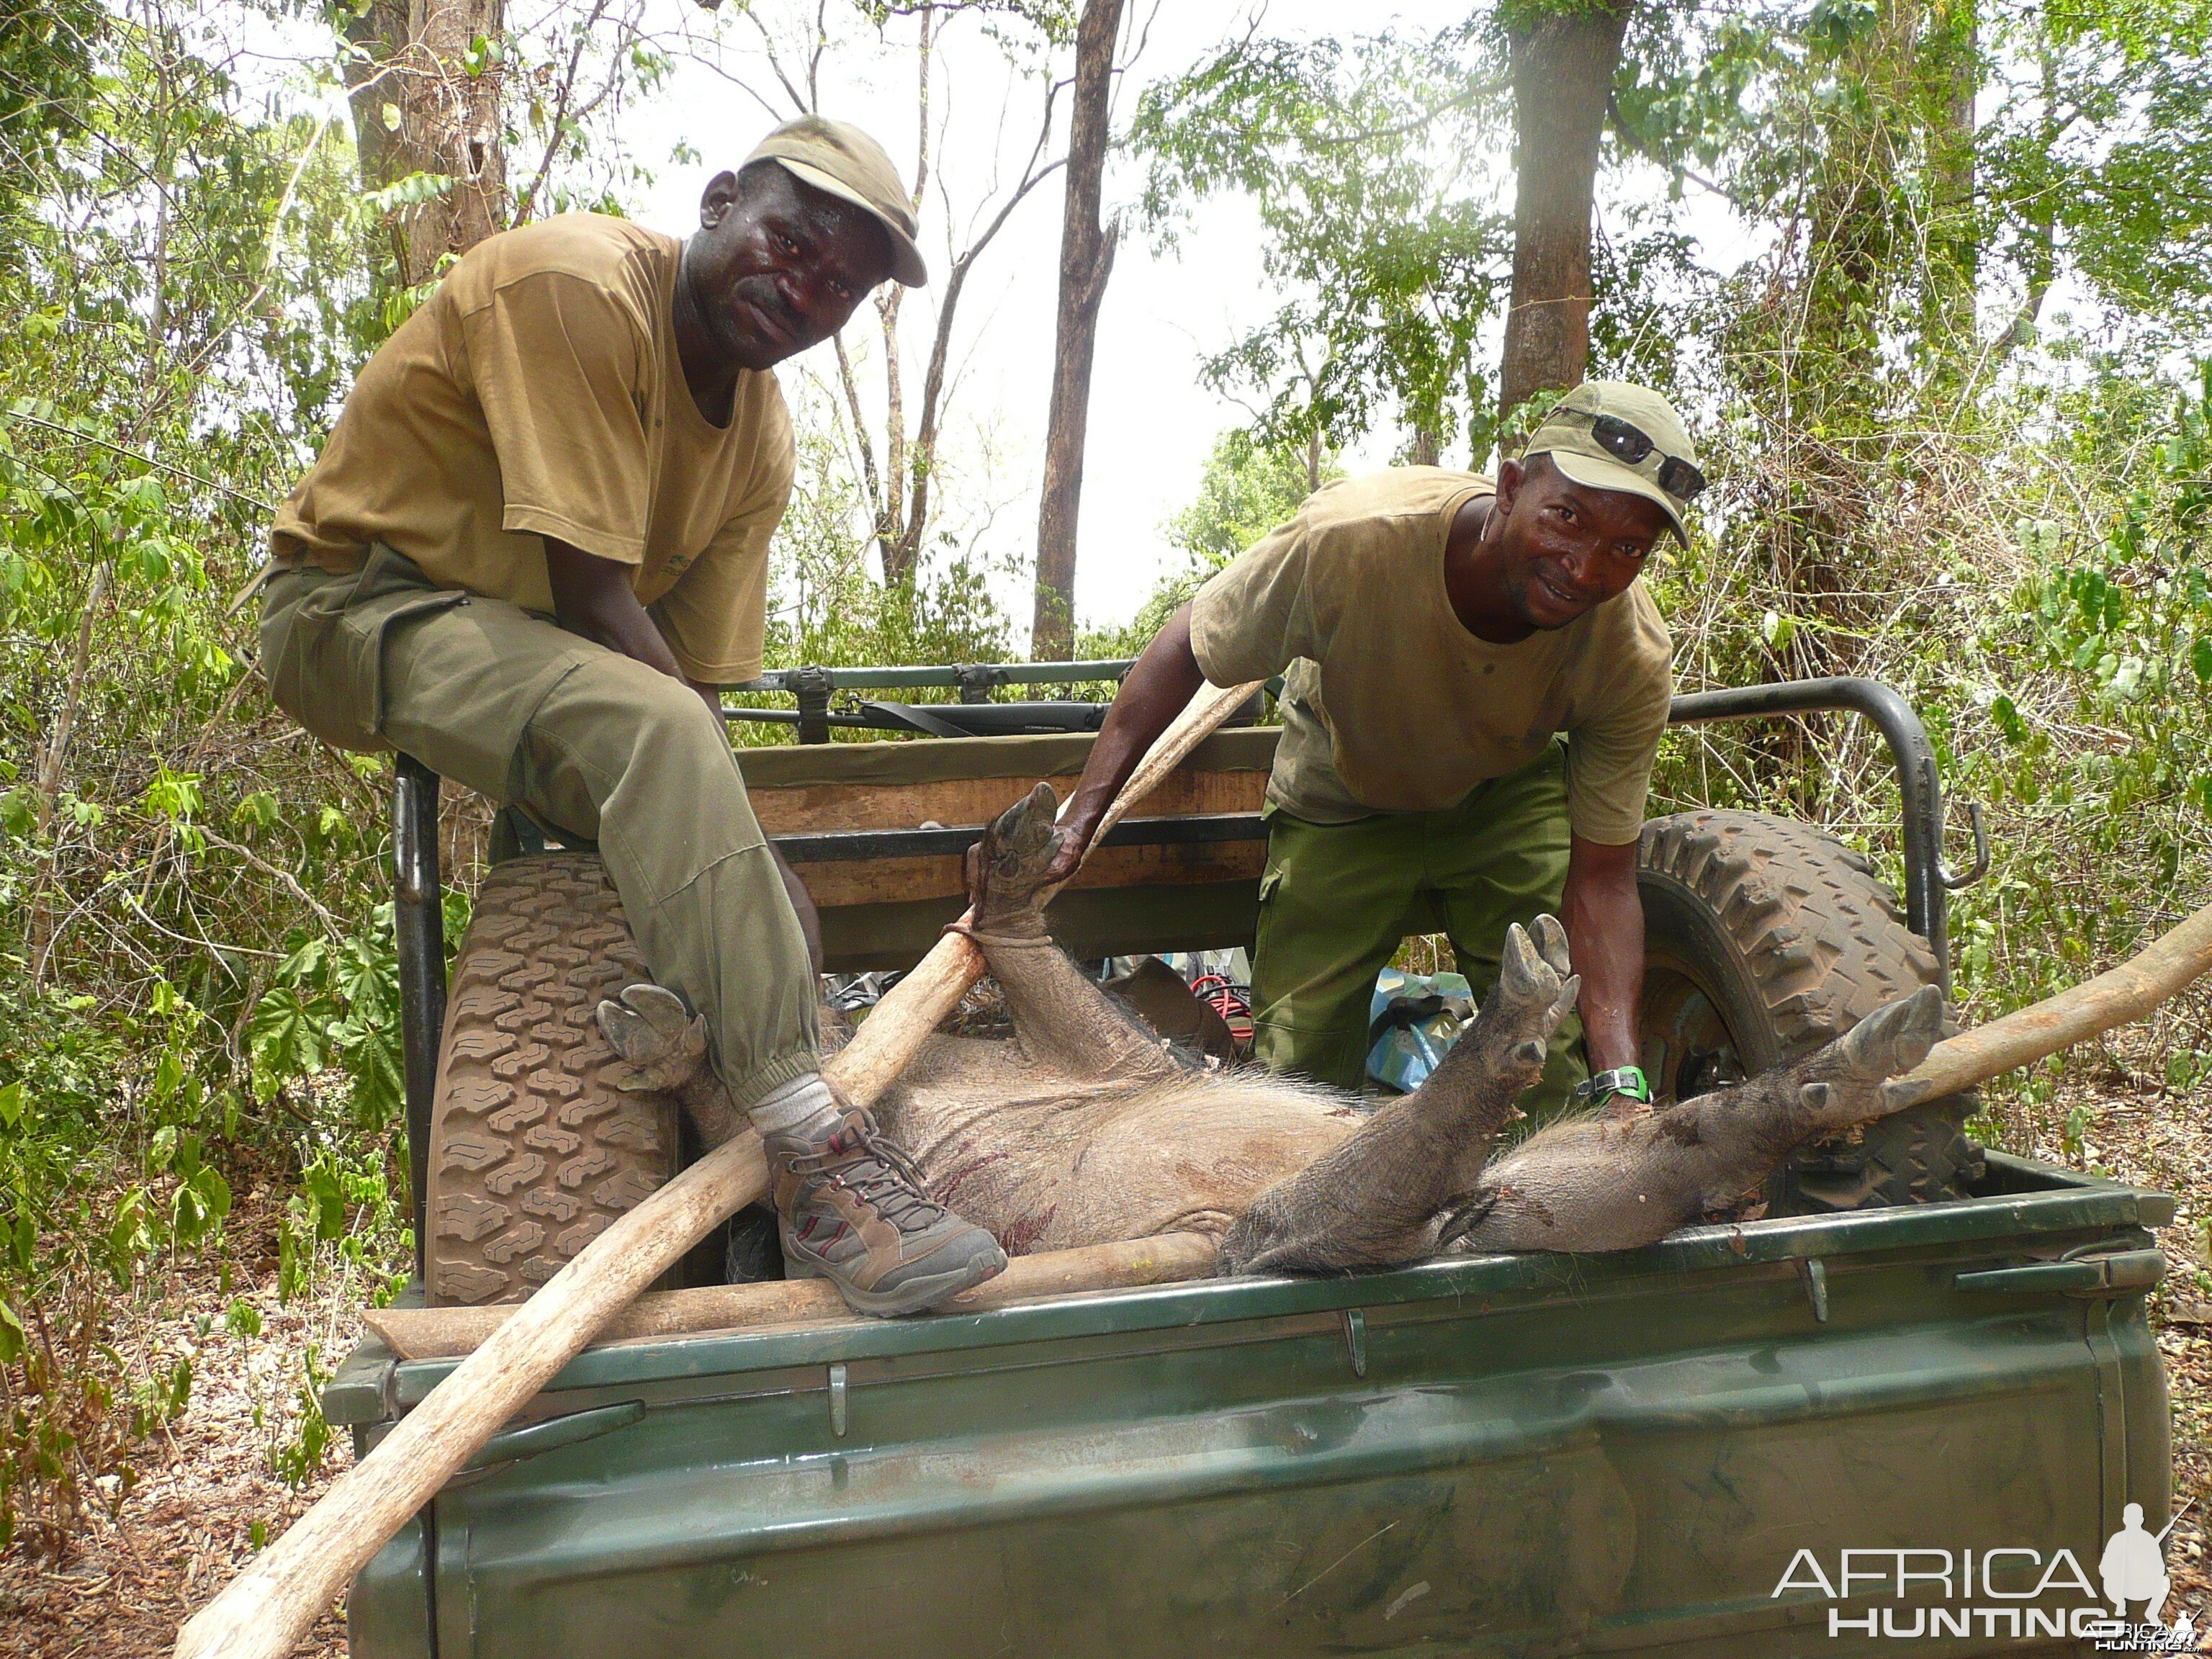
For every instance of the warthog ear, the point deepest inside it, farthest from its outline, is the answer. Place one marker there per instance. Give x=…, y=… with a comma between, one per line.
x=1894, y=1038
x=654, y=1029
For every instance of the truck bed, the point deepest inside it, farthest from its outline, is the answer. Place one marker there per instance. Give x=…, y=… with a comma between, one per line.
x=1529, y=1454
x=877, y=831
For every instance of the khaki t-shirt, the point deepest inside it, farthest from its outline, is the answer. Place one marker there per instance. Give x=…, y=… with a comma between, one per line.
x=538, y=392
x=1389, y=704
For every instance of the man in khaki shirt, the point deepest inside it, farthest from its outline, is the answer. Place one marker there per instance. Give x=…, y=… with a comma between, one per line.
x=534, y=547
x=1439, y=633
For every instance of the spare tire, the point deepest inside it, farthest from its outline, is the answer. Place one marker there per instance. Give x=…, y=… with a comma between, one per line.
x=534, y=1151
x=1765, y=939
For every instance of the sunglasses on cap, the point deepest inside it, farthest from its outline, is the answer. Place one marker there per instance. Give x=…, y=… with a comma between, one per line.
x=1631, y=444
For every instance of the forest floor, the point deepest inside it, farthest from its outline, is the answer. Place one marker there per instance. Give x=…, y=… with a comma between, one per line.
x=208, y=1485
x=207, y=1492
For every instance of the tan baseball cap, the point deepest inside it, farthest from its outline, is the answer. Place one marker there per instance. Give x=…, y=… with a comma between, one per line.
x=839, y=160
x=1583, y=435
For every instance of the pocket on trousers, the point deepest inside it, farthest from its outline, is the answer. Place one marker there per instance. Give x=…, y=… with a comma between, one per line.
x=361, y=643
x=303, y=659
x=323, y=653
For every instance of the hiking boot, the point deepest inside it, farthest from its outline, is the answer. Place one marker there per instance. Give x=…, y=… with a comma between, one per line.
x=856, y=1211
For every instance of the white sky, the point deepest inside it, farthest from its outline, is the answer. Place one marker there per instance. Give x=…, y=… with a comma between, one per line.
x=1151, y=425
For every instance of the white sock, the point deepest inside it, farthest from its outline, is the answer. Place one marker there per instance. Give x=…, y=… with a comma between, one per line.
x=803, y=1106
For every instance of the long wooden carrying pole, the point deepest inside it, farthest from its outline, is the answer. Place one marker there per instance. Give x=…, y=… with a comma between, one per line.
x=2160, y=971
x=2127, y=993
x=1164, y=1259
x=267, y=1609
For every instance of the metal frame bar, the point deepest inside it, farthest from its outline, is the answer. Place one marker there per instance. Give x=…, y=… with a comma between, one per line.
x=969, y=676
x=421, y=919
x=1920, y=791
x=418, y=912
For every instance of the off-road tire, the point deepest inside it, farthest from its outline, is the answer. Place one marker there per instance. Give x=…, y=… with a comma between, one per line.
x=534, y=1151
x=1794, y=939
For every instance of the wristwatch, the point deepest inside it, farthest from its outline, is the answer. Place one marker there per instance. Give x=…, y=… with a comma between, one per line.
x=1621, y=1080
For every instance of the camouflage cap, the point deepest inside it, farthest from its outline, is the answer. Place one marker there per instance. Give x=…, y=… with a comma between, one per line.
x=839, y=160
x=1594, y=433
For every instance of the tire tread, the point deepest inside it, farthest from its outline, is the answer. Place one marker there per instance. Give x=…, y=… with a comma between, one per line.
x=534, y=1151
x=1826, y=943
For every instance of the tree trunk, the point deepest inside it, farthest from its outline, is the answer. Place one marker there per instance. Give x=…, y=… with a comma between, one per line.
x=1957, y=45
x=1563, y=65
x=417, y=109
x=2041, y=232
x=1086, y=260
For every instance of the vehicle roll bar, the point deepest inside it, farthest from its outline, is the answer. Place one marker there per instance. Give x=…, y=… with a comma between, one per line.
x=418, y=921
x=1928, y=884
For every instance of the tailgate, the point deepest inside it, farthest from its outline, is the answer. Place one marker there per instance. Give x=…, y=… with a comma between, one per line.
x=1529, y=1454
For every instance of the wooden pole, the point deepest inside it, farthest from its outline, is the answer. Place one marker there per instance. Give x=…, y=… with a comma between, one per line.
x=2152, y=976
x=264, y=1612
x=266, y=1609
x=451, y=1333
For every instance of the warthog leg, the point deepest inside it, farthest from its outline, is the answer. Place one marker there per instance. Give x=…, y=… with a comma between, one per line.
x=1379, y=1198
x=664, y=1048
x=1063, y=1020
x=1613, y=1180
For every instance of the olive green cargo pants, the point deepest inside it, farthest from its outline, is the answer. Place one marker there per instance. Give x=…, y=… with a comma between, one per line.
x=1337, y=899
x=586, y=741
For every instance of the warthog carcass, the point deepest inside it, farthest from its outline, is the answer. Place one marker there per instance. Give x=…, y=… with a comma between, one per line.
x=1084, y=1128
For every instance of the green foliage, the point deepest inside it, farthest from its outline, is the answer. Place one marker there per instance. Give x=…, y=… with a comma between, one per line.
x=188, y=293
x=1247, y=490
x=297, y=1461
x=1366, y=164
x=45, y=53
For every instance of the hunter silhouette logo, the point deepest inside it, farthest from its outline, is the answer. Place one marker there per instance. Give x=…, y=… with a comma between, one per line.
x=2134, y=1567
x=2014, y=1592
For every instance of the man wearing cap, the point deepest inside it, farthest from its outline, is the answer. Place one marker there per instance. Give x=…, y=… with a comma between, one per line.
x=1439, y=633
x=535, y=545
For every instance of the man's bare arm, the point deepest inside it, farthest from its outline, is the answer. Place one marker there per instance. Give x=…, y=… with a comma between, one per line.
x=1604, y=919
x=593, y=599
x=1160, y=684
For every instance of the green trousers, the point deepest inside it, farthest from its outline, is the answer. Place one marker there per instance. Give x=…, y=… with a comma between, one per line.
x=588, y=742
x=1337, y=899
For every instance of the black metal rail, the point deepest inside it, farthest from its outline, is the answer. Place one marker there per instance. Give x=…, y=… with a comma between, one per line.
x=420, y=914
x=1928, y=884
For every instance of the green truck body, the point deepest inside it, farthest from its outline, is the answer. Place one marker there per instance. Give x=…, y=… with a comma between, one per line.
x=1504, y=1455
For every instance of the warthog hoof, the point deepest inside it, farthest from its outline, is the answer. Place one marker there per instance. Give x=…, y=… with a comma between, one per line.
x=1536, y=987
x=1017, y=852
x=1849, y=1081
x=655, y=1030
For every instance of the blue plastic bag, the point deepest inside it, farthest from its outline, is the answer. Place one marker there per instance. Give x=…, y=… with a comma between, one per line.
x=1413, y=1021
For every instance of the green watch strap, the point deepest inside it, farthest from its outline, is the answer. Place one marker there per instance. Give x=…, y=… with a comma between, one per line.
x=1621, y=1080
